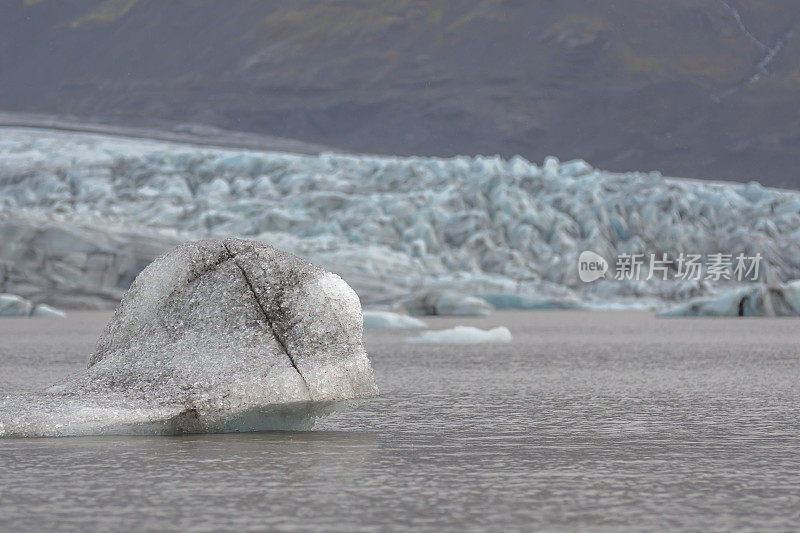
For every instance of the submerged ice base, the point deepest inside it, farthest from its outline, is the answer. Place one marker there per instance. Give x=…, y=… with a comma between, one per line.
x=47, y=415
x=214, y=336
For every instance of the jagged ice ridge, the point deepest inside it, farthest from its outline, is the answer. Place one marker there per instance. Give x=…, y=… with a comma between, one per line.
x=82, y=214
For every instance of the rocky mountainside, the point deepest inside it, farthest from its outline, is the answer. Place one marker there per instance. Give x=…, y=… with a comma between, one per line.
x=698, y=88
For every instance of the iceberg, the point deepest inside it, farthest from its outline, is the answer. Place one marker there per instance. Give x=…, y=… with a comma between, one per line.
x=760, y=300
x=464, y=335
x=12, y=305
x=214, y=336
x=387, y=319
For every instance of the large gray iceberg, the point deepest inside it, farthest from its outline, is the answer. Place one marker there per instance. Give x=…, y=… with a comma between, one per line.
x=213, y=336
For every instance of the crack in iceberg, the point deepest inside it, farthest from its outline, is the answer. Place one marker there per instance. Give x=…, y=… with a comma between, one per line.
x=267, y=318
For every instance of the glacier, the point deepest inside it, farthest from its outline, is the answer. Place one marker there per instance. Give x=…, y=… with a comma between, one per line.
x=82, y=214
x=213, y=336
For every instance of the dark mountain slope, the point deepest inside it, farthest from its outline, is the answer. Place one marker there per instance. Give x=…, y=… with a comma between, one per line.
x=700, y=88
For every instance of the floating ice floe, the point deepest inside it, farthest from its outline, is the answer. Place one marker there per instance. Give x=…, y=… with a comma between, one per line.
x=214, y=336
x=759, y=300
x=12, y=305
x=387, y=319
x=464, y=335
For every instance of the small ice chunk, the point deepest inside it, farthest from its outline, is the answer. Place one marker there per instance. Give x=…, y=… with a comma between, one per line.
x=387, y=319
x=517, y=301
x=12, y=305
x=464, y=335
x=46, y=311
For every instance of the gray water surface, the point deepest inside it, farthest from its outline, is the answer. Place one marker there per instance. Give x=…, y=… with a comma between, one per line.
x=602, y=421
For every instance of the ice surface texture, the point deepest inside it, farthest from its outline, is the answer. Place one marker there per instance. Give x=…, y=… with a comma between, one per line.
x=213, y=336
x=79, y=214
